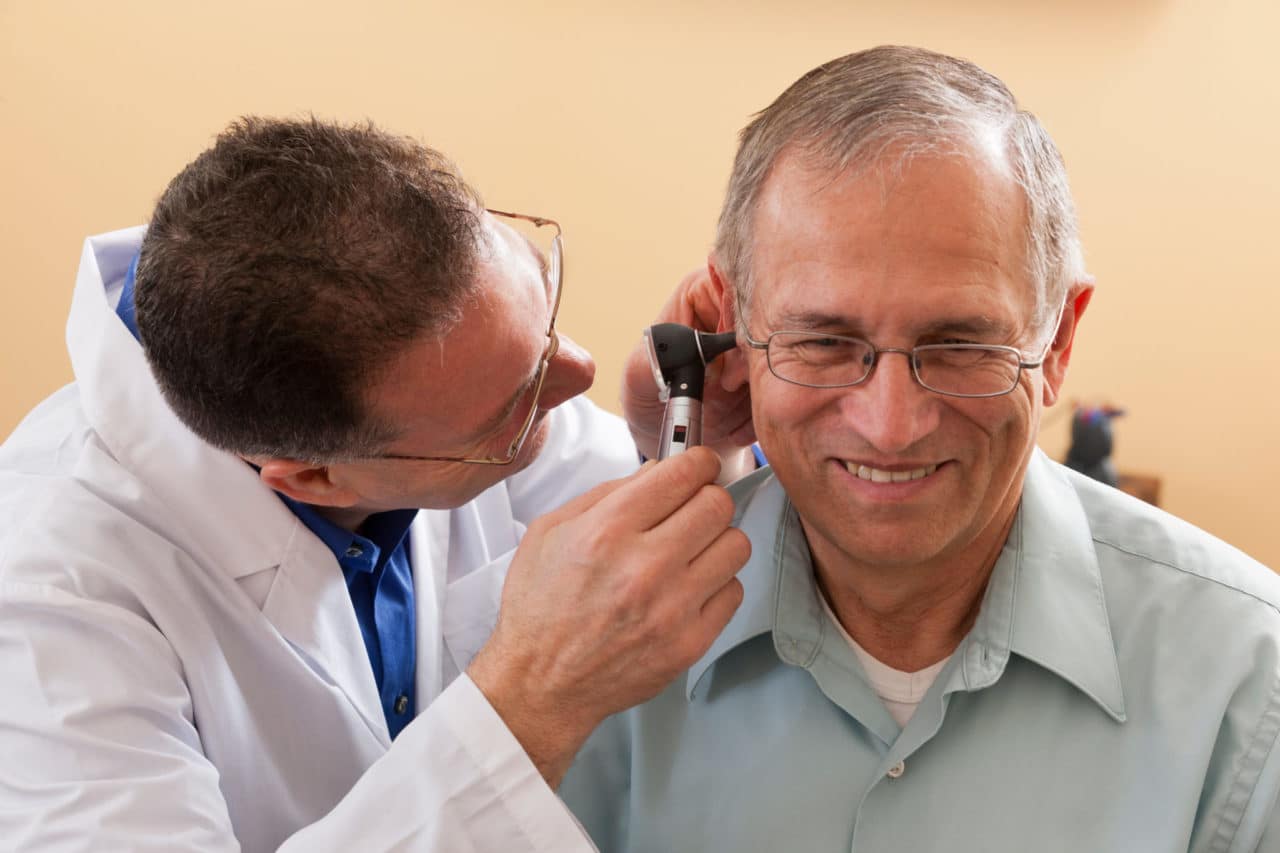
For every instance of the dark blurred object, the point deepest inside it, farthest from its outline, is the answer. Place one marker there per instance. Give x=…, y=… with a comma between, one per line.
x=1091, y=442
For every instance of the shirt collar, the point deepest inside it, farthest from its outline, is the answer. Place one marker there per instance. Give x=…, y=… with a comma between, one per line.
x=1049, y=569
x=384, y=533
x=762, y=513
x=1044, y=602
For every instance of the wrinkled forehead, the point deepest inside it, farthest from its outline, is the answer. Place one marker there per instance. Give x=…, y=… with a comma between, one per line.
x=928, y=233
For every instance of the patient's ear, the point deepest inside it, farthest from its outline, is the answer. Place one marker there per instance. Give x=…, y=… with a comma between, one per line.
x=733, y=371
x=1058, y=357
x=305, y=482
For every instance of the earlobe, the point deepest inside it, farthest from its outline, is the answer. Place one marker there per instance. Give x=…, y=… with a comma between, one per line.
x=305, y=482
x=1059, y=356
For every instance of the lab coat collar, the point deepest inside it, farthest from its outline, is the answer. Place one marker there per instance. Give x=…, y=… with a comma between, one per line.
x=1044, y=602
x=123, y=403
x=250, y=529
x=310, y=606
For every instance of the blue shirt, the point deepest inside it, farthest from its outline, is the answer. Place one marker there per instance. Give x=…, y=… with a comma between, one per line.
x=1119, y=691
x=378, y=573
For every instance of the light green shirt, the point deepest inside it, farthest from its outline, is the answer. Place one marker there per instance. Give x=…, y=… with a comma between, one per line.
x=1119, y=691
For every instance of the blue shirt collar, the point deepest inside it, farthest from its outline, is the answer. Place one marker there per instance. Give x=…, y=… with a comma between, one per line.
x=125, y=308
x=383, y=533
x=1044, y=602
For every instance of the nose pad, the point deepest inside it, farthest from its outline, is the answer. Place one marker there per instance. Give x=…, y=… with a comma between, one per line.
x=570, y=372
x=890, y=409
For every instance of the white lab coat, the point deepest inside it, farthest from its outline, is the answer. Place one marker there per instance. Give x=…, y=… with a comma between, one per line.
x=180, y=663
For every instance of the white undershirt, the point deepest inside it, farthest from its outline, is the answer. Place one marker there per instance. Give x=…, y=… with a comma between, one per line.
x=900, y=691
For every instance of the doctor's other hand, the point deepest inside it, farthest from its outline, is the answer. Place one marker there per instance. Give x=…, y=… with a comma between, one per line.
x=607, y=600
x=726, y=403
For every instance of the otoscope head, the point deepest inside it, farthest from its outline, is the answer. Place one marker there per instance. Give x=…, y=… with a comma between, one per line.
x=713, y=345
x=678, y=356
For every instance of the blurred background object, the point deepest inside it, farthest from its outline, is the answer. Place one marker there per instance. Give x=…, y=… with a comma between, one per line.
x=1091, y=443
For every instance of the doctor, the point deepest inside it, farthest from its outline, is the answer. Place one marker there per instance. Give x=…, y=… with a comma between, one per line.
x=225, y=623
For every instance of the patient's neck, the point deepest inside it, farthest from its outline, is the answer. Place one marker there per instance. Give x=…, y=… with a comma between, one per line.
x=906, y=616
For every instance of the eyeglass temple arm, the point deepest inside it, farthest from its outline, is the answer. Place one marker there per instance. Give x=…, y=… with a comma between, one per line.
x=536, y=220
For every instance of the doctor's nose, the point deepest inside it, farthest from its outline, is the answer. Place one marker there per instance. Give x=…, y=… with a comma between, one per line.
x=569, y=373
x=890, y=409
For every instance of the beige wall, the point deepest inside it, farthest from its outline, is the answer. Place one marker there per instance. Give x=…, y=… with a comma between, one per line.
x=620, y=119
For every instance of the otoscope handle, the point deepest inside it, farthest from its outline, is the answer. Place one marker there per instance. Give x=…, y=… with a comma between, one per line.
x=681, y=426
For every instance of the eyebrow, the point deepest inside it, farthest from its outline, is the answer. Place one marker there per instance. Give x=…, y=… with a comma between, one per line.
x=976, y=325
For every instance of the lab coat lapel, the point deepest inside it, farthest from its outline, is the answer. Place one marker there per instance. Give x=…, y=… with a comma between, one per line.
x=429, y=553
x=485, y=537
x=310, y=606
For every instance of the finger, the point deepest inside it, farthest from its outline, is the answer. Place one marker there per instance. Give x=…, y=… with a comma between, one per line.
x=728, y=411
x=717, y=565
x=719, y=609
x=654, y=493
x=697, y=524
x=675, y=309
x=727, y=423
x=707, y=622
x=689, y=302
x=704, y=306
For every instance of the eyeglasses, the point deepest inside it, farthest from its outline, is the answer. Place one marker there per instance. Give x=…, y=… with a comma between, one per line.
x=554, y=273
x=818, y=360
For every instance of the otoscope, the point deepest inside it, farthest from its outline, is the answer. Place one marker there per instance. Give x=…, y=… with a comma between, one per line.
x=678, y=356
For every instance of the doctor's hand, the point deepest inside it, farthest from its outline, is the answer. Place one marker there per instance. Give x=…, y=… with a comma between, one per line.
x=726, y=404
x=607, y=600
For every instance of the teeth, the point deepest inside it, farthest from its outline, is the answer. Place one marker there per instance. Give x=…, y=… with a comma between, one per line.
x=876, y=475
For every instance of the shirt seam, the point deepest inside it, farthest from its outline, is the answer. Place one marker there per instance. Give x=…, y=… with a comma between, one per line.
x=1215, y=581
x=1261, y=744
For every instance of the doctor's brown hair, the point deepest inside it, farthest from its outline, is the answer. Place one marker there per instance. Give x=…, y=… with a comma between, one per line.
x=285, y=267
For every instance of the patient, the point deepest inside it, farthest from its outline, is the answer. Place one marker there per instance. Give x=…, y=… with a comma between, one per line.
x=948, y=641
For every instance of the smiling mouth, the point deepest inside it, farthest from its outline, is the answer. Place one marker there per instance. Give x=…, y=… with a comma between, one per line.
x=879, y=475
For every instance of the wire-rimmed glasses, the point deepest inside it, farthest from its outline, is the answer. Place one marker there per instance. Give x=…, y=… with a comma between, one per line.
x=821, y=360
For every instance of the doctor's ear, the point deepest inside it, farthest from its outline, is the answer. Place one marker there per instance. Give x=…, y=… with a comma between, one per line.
x=305, y=482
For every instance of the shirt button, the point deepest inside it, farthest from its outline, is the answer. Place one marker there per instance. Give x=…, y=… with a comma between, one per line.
x=355, y=551
x=897, y=770
x=402, y=704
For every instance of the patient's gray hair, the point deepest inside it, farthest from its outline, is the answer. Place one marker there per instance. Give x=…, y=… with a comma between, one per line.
x=854, y=110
